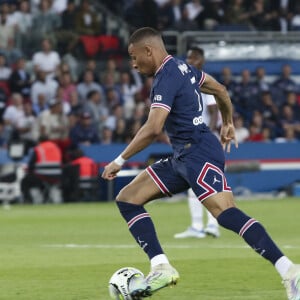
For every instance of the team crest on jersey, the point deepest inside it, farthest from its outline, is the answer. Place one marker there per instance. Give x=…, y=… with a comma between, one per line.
x=157, y=98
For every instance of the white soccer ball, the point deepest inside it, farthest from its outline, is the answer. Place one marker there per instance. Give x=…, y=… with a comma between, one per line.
x=124, y=281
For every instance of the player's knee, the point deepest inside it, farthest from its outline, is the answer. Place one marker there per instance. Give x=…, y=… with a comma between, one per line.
x=123, y=196
x=126, y=195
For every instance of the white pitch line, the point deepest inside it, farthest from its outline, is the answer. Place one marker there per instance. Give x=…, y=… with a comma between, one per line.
x=107, y=246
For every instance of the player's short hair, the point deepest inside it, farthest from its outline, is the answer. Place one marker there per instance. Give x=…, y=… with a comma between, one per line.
x=143, y=33
x=199, y=50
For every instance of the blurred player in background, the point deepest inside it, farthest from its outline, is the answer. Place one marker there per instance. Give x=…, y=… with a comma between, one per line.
x=195, y=57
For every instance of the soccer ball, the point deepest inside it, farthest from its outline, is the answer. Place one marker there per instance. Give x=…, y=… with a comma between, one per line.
x=124, y=281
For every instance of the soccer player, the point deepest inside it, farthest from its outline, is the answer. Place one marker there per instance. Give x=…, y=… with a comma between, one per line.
x=197, y=161
x=195, y=57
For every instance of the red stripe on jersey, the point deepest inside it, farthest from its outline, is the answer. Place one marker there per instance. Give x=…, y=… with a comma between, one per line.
x=166, y=59
x=246, y=226
x=202, y=79
x=209, y=189
x=137, y=218
x=158, y=182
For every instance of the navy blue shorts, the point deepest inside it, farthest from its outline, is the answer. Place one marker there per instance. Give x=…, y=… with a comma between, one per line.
x=199, y=166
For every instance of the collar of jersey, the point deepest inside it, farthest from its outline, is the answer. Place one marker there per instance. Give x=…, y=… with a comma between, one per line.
x=166, y=59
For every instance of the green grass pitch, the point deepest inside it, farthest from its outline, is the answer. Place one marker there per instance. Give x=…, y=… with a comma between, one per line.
x=69, y=252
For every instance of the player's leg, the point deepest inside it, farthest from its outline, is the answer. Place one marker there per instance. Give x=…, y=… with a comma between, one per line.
x=196, y=212
x=222, y=206
x=144, y=188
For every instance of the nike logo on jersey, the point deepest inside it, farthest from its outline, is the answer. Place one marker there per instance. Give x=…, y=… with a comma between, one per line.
x=215, y=180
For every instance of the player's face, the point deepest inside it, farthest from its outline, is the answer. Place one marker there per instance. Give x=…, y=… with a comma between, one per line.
x=193, y=58
x=141, y=58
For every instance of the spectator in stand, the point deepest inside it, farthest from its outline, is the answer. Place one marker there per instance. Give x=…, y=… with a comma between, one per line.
x=44, y=23
x=291, y=100
x=288, y=120
x=87, y=20
x=120, y=132
x=67, y=85
x=67, y=38
x=5, y=71
x=27, y=127
x=185, y=23
x=145, y=92
x=22, y=21
x=260, y=81
x=258, y=15
x=20, y=81
x=96, y=106
x=136, y=121
x=241, y=132
x=109, y=82
x=213, y=14
x=236, y=13
x=7, y=36
x=21, y=18
x=46, y=60
x=256, y=127
x=41, y=104
x=76, y=106
x=106, y=136
x=3, y=101
x=60, y=96
x=168, y=14
x=111, y=69
x=142, y=13
x=283, y=84
x=54, y=123
x=59, y=6
x=255, y=134
x=44, y=86
x=282, y=13
x=116, y=114
x=228, y=81
x=84, y=132
x=245, y=98
x=113, y=99
x=267, y=134
x=34, y=5
x=131, y=83
x=269, y=112
x=87, y=85
x=89, y=27
x=3, y=137
x=195, y=12
x=289, y=136
x=90, y=65
x=12, y=113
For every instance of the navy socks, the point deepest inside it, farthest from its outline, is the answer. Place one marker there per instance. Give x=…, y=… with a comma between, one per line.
x=251, y=231
x=141, y=227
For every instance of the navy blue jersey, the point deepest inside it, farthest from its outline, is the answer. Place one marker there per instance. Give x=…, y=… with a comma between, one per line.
x=176, y=89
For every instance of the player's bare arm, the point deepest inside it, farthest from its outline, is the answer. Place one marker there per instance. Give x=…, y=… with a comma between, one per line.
x=144, y=137
x=227, y=133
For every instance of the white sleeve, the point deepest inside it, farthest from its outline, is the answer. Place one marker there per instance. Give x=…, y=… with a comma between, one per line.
x=208, y=99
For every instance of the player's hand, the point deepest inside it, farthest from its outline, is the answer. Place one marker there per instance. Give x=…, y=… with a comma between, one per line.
x=111, y=170
x=227, y=135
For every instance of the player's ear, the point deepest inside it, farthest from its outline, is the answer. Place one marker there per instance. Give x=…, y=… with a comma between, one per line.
x=148, y=49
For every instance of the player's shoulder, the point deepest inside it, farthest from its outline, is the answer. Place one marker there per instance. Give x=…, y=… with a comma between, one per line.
x=175, y=69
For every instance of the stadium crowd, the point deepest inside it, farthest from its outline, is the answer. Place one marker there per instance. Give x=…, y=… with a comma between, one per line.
x=184, y=15
x=44, y=92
